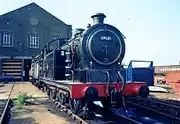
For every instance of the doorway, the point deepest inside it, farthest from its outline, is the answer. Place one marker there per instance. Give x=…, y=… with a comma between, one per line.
x=26, y=68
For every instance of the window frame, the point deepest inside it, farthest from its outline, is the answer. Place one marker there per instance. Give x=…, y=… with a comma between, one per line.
x=33, y=41
x=6, y=39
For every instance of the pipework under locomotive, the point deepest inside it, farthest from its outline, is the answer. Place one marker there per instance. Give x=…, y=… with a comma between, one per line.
x=86, y=68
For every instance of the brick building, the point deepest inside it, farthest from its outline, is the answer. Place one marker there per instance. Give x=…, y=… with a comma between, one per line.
x=23, y=33
x=162, y=71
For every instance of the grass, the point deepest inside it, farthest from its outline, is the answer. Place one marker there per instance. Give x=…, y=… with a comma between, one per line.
x=21, y=100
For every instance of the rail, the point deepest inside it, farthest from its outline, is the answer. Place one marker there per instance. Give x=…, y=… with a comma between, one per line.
x=5, y=108
x=161, y=108
x=168, y=101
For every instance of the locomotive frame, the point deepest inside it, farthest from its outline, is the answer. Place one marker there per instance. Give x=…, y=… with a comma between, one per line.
x=86, y=68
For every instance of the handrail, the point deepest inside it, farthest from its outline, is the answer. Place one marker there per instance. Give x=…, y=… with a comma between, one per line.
x=123, y=82
x=108, y=77
x=141, y=61
x=72, y=72
x=108, y=80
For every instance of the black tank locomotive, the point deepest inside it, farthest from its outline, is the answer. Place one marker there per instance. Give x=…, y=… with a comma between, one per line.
x=86, y=68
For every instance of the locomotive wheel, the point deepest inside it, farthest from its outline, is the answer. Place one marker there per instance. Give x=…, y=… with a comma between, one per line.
x=39, y=85
x=62, y=98
x=43, y=87
x=57, y=96
x=32, y=82
x=35, y=82
x=48, y=91
x=52, y=94
x=75, y=105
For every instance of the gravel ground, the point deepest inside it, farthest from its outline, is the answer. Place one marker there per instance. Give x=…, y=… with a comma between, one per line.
x=38, y=111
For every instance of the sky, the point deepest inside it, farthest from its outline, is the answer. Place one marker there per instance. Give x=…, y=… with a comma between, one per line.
x=151, y=27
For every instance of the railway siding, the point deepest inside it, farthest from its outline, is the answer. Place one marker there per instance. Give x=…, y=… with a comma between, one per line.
x=160, y=107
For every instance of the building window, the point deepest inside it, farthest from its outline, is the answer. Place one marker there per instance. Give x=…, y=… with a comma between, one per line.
x=6, y=39
x=33, y=40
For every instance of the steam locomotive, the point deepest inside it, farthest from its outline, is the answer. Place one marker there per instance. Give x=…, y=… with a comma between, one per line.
x=86, y=68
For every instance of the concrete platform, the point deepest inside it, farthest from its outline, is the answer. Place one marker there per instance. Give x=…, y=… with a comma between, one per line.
x=5, y=90
x=20, y=87
x=157, y=89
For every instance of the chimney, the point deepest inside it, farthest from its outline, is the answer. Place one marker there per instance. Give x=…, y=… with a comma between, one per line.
x=98, y=18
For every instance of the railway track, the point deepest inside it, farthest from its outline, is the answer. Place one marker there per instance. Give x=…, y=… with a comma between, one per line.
x=99, y=117
x=169, y=112
x=107, y=118
x=140, y=111
x=5, y=105
x=169, y=101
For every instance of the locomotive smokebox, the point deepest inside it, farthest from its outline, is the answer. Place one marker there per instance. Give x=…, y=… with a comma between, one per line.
x=98, y=18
